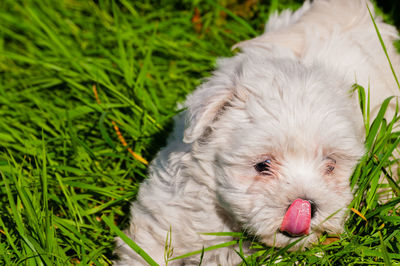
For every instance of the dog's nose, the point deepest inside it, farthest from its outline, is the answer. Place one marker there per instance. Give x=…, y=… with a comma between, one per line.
x=313, y=208
x=297, y=219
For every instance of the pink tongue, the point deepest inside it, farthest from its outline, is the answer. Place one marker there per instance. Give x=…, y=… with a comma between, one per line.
x=297, y=218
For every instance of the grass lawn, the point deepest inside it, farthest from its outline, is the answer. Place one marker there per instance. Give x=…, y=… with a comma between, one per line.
x=87, y=93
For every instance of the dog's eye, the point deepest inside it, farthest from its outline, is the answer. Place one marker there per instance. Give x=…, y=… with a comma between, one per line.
x=263, y=167
x=330, y=166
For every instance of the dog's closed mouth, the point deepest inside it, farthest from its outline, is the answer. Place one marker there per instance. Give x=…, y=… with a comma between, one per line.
x=285, y=233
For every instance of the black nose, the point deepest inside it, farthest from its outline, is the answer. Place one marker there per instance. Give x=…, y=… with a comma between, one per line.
x=313, y=208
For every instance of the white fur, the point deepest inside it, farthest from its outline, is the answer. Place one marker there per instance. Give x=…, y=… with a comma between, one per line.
x=285, y=96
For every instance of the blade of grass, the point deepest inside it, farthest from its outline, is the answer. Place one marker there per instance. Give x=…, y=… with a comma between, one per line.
x=129, y=241
x=383, y=47
x=222, y=245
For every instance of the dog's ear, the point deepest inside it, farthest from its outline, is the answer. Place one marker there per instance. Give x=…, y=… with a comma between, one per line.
x=208, y=102
x=205, y=105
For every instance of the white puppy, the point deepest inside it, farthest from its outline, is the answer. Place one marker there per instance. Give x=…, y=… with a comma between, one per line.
x=270, y=140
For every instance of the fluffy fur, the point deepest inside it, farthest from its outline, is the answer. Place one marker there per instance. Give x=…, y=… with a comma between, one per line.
x=287, y=97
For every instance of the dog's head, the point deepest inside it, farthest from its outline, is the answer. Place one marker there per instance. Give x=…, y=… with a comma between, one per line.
x=280, y=141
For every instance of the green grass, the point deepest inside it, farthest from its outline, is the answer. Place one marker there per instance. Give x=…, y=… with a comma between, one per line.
x=66, y=179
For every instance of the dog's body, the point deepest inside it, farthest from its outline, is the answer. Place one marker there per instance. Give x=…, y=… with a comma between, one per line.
x=285, y=101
